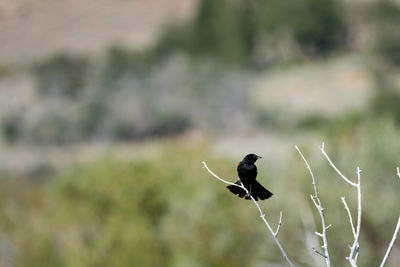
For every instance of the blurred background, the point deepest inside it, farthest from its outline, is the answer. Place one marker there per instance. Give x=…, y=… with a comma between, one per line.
x=108, y=108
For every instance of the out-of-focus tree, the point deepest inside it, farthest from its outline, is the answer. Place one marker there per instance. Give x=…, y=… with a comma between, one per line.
x=385, y=27
x=233, y=30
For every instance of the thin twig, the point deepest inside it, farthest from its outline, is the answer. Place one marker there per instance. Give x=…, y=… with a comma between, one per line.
x=354, y=249
x=352, y=226
x=279, y=224
x=317, y=203
x=396, y=231
x=350, y=217
x=334, y=167
x=319, y=253
x=262, y=215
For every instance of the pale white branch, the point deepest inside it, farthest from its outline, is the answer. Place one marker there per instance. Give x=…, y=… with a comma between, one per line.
x=354, y=249
x=396, y=231
x=262, y=215
x=279, y=224
x=317, y=202
x=334, y=167
x=222, y=180
x=350, y=217
x=319, y=234
x=352, y=229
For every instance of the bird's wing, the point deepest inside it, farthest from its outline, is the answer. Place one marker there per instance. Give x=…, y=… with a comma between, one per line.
x=247, y=172
x=236, y=189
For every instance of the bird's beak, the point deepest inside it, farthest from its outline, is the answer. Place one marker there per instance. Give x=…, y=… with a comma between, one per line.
x=258, y=157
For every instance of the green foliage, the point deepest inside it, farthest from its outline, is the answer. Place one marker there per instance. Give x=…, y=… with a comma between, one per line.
x=122, y=62
x=233, y=30
x=11, y=127
x=169, y=122
x=149, y=211
x=54, y=127
x=61, y=76
x=385, y=20
x=318, y=26
x=373, y=145
x=164, y=209
x=127, y=96
x=312, y=122
x=224, y=29
x=386, y=99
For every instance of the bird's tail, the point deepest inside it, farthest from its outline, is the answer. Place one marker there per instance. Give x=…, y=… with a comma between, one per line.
x=257, y=191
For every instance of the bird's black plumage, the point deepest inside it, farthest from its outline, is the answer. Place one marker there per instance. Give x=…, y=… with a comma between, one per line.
x=247, y=172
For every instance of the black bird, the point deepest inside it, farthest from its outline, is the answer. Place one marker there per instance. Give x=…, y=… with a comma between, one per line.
x=247, y=172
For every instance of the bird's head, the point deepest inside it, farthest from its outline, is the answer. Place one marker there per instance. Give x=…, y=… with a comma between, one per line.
x=251, y=158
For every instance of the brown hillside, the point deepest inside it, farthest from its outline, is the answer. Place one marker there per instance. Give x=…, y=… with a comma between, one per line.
x=31, y=29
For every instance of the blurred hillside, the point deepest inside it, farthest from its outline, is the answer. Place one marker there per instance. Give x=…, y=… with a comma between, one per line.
x=108, y=108
x=32, y=30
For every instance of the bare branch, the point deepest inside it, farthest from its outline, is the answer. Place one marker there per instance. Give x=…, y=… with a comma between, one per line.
x=318, y=205
x=352, y=229
x=350, y=217
x=319, y=234
x=396, y=231
x=279, y=224
x=222, y=180
x=262, y=215
x=354, y=249
x=315, y=203
x=334, y=167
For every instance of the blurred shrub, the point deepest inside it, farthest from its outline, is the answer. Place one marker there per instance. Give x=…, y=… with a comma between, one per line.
x=265, y=118
x=92, y=112
x=61, y=76
x=162, y=208
x=122, y=62
x=312, y=122
x=50, y=128
x=344, y=128
x=386, y=100
x=170, y=122
x=130, y=95
x=11, y=125
x=318, y=26
x=234, y=31
x=386, y=36
x=223, y=29
x=127, y=96
x=149, y=211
